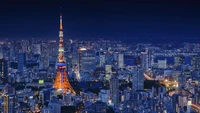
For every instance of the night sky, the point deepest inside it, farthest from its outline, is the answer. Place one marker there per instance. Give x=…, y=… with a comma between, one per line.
x=142, y=19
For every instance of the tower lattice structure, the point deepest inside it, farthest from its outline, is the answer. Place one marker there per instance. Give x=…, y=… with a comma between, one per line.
x=61, y=81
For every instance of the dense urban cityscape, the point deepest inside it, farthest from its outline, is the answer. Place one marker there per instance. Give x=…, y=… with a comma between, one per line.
x=65, y=75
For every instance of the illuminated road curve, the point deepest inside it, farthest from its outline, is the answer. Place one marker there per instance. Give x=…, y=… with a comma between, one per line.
x=171, y=93
x=167, y=83
x=147, y=77
x=196, y=108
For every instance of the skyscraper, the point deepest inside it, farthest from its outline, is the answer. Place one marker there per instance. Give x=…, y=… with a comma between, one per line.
x=3, y=68
x=114, y=89
x=21, y=61
x=150, y=57
x=144, y=60
x=120, y=60
x=8, y=103
x=179, y=60
x=137, y=79
x=181, y=81
x=61, y=81
x=108, y=71
x=102, y=60
x=195, y=61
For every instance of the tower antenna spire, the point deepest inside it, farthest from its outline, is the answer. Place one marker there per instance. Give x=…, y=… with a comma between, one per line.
x=61, y=26
x=61, y=81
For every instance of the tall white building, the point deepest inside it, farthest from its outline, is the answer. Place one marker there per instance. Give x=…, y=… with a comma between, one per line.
x=150, y=53
x=189, y=104
x=120, y=61
x=144, y=60
x=108, y=71
x=147, y=58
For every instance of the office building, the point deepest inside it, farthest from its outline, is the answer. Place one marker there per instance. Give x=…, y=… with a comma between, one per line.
x=162, y=64
x=120, y=60
x=21, y=62
x=179, y=60
x=3, y=68
x=195, y=62
x=87, y=60
x=137, y=79
x=8, y=105
x=114, y=89
x=145, y=60
x=102, y=60
x=108, y=71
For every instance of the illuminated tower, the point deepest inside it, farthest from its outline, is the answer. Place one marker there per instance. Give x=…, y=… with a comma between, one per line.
x=61, y=82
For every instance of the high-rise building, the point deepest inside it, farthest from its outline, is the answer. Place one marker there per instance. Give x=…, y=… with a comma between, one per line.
x=87, y=60
x=150, y=53
x=37, y=49
x=21, y=61
x=137, y=79
x=162, y=64
x=175, y=100
x=8, y=103
x=114, y=89
x=104, y=95
x=147, y=58
x=44, y=95
x=181, y=82
x=120, y=60
x=3, y=68
x=108, y=71
x=102, y=60
x=24, y=45
x=54, y=106
x=189, y=104
x=195, y=61
x=61, y=81
x=144, y=60
x=179, y=60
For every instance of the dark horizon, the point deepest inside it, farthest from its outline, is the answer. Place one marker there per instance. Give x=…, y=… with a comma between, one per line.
x=145, y=20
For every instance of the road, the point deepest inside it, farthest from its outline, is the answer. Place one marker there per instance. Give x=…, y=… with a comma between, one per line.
x=196, y=108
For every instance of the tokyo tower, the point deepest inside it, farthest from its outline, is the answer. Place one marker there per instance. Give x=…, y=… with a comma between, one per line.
x=61, y=82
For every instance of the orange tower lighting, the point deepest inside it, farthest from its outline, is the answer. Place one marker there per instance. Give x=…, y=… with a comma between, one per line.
x=61, y=81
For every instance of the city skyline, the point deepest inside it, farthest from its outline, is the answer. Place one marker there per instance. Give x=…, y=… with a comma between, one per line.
x=97, y=19
x=116, y=74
